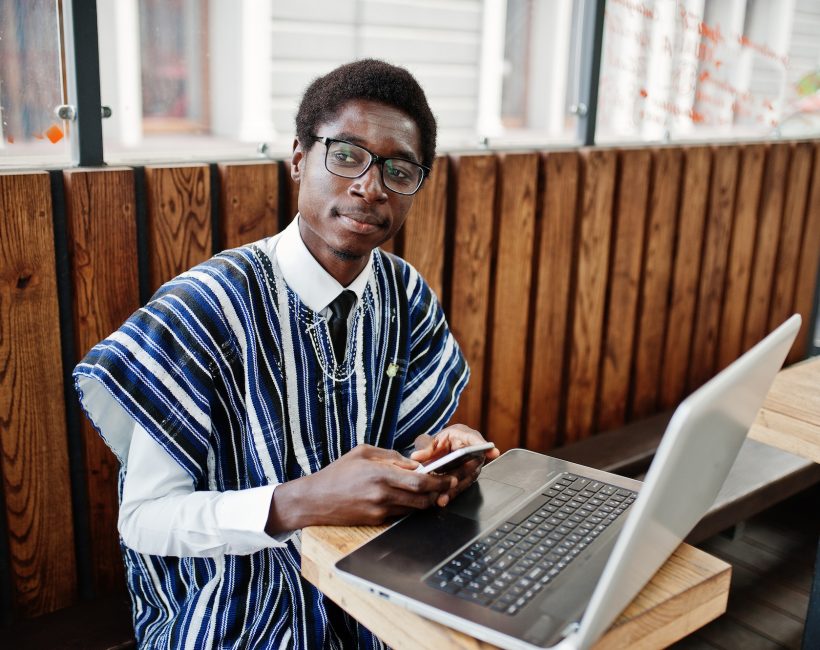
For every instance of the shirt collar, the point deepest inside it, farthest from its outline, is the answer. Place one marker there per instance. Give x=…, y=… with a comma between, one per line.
x=315, y=287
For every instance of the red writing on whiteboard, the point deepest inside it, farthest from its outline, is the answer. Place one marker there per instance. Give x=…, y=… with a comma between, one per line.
x=639, y=7
x=763, y=50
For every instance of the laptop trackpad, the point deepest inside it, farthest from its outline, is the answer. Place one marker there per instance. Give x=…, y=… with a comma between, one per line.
x=425, y=538
x=483, y=499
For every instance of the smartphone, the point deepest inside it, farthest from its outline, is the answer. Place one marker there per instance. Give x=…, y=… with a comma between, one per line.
x=450, y=461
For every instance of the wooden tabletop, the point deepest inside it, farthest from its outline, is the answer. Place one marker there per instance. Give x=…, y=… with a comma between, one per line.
x=790, y=417
x=687, y=592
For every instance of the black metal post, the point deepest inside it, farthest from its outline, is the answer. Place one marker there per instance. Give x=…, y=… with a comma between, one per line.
x=811, y=633
x=592, y=36
x=82, y=61
x=813, y=348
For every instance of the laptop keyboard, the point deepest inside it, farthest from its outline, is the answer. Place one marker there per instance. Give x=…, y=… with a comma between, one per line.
x=507, y=567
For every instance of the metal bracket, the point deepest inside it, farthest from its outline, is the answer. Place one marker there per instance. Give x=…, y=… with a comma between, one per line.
x=66, y=112
x=69, y=112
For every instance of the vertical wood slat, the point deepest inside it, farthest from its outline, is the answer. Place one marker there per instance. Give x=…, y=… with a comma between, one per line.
x=425, y=227
x=656, y=278
x=770, y=217
x=791, y=231
x=102, y=244
x=741, y=255
x=697, y=165
x=469, y=302
x=624, y=277
x=807, y=268
x=179, y=220
x=393, y=244
x=515, y=242
x=249, y=199
x=713, y=269
x=555, y=255
x=34, y=458
x=598, y=173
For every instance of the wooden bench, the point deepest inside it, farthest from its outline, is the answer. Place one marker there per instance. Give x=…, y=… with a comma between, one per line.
x=98, y=624
x=761, y=477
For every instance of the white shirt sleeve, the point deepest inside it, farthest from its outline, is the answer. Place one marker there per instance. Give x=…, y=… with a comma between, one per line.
x=162, y=514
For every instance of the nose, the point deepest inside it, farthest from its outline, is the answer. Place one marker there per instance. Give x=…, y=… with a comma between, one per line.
x=370, y=186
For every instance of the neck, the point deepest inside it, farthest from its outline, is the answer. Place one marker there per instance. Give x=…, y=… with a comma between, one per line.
x=343, y=266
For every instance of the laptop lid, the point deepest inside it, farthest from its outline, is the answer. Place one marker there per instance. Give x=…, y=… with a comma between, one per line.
x=697, y=451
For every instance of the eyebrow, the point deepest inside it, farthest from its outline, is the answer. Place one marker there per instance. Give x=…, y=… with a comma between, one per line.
x=407, y=154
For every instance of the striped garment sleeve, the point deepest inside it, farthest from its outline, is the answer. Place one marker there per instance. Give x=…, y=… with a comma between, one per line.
x=156, y=370
x=437, y=371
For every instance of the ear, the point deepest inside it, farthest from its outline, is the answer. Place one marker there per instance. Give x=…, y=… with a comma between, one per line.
x=297, y=160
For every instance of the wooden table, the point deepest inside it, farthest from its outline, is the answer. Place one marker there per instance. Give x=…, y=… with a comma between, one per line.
x=687, y=592
x=690, y=590
x=790, y=417
x=790, y=420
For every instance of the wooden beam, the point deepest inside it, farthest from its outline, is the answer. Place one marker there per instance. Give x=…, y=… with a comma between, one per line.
x=102, y=236
x=33, y=442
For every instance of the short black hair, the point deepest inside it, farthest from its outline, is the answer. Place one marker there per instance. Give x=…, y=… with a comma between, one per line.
x=368, y=79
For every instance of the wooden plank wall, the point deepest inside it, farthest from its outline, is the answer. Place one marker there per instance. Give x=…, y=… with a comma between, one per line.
x=586, y=288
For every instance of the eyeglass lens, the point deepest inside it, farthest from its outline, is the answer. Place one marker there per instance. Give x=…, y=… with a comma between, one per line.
x=350, y=161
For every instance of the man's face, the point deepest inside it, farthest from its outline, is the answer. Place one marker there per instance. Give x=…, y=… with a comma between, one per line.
x=343, y=219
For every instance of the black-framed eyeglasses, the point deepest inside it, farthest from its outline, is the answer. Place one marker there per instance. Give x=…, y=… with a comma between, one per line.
x=350, y=160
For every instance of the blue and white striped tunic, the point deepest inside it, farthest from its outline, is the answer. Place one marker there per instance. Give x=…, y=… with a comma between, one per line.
x=236, y=379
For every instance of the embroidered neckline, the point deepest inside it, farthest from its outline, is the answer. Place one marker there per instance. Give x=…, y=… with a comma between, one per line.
x=313, y=321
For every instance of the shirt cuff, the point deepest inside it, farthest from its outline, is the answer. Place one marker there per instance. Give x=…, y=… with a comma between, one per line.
x=241, y=515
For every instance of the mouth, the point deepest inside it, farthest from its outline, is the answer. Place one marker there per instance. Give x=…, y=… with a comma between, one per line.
x=360, y=222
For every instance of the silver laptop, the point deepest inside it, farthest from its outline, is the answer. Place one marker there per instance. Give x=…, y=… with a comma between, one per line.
x=541, y=552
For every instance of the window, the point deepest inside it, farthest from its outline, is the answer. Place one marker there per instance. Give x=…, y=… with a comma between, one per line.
x=218, y=79
x=31, y=84
x=540, y=72
x=700, y=70
x=214, y=79
x=156, y=65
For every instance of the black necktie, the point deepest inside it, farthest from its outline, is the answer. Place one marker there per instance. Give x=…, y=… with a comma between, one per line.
x=337, y=323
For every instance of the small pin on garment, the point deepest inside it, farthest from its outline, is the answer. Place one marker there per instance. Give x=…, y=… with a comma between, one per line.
x=392, y=369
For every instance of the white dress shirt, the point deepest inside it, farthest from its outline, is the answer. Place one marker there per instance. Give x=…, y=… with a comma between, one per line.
x=161, y=513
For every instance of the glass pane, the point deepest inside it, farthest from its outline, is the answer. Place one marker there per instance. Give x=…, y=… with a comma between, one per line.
x=31, y=84
x=495, y=73
x=713, y=69
x=155, y=66
x=207, y=80
x=540, y=72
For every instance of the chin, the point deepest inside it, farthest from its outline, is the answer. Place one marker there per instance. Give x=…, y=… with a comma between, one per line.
x=355, y=247
x=347, y=255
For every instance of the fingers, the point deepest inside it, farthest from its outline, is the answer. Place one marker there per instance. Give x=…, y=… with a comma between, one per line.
x=464, y=477
x=422, y=483
x=393, y=488
x=396, y=476
x=461, y=435
x=432, y=447
x=448, y=439
x=401, y=492
x=390, y=456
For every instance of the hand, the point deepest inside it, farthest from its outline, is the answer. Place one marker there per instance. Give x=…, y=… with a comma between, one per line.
x=365, y=486
x=453, y=437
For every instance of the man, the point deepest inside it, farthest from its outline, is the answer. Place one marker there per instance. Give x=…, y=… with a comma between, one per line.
x=284, y=384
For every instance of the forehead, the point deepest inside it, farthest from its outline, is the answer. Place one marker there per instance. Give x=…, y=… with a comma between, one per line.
x=383, y=129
